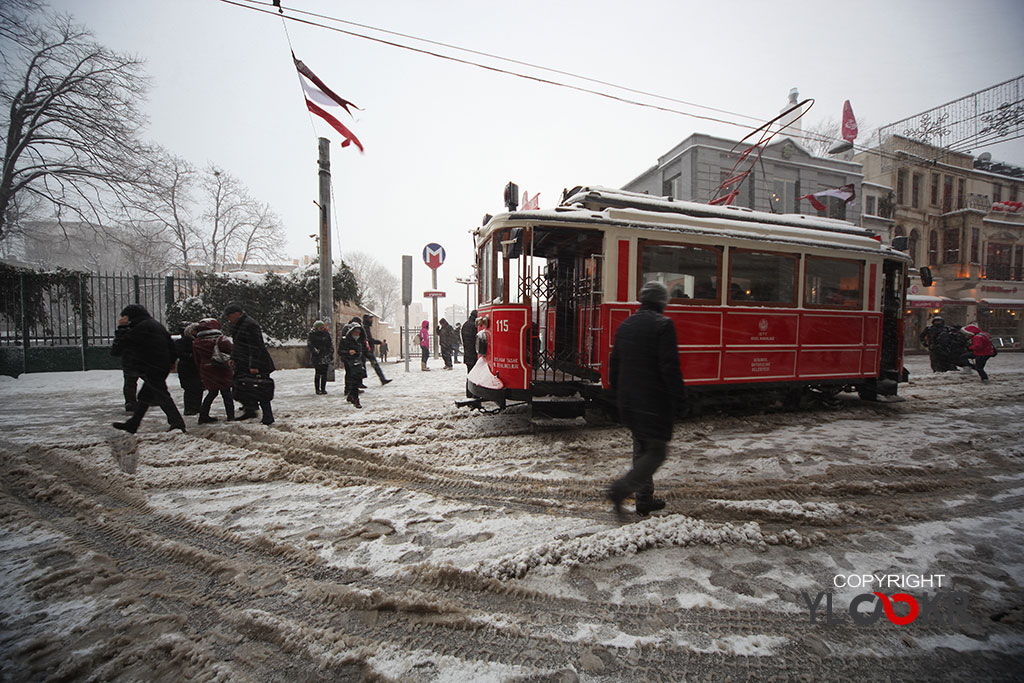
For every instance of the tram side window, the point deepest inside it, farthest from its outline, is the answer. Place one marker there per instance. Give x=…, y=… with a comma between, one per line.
x=487, y=272
x=758, y=278
x=833, y=283
x=691, y=273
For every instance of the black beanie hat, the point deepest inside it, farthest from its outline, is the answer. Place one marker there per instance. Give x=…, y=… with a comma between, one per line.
x=135, y=311
x=654, y=295
x=233, y=308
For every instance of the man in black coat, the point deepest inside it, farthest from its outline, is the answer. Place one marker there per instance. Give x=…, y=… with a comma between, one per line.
x=370, y=343
x=644, y=375
x=250, y=358
x=468, y=334
x=147, y=343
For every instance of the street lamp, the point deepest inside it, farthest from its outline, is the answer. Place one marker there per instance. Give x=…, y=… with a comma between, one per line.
x=468, y=281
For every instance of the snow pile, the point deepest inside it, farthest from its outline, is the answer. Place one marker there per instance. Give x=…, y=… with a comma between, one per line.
x=789, y=509
x=657, y=532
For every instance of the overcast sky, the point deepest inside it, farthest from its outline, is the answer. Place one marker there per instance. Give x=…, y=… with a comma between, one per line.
x=442, y=139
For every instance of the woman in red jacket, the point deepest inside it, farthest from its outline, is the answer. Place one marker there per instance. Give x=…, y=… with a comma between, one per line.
x=981, y=349
x=215, y=372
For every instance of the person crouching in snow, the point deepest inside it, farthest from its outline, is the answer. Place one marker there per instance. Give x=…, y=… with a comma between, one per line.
x=353, y=354
x=981, y=349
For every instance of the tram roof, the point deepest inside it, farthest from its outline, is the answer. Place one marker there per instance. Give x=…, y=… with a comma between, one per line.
x=603, y=206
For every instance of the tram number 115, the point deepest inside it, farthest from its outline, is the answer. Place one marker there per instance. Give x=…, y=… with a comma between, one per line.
x=501, y=325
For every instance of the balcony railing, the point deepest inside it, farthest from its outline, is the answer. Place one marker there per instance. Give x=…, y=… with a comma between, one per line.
x=1000, y=272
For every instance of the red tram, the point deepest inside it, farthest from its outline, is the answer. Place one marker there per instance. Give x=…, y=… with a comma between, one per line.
x=785, y=304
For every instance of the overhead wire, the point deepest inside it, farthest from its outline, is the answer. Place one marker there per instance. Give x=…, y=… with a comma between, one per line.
x=268, y=8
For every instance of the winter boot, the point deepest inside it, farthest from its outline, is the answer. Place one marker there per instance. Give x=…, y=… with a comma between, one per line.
x=647, y=503
x=355, y=401
x=205, y=420
x=131, y=425
x=423, y=366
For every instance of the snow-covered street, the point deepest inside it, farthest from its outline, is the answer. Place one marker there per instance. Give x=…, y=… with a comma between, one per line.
x=415, y=541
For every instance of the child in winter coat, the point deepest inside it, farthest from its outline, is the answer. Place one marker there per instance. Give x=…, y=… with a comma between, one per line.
x=352, y=350
x=424, y=337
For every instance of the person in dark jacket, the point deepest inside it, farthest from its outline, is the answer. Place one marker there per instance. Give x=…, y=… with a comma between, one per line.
x=353, y=350
x=468, y=334
x=937, y=338
x=188, y=371
x=250, y=357
x=149, y=345
x=370, y=343
x=321, y=354
x=215, y=374
x=446, y=338
x=644, y=374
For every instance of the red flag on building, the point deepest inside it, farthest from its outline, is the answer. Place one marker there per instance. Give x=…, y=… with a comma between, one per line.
x=321, y=100
x=849, y=123
x=844, y=193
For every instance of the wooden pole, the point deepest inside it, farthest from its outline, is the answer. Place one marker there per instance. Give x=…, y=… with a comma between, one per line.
x=326, y=274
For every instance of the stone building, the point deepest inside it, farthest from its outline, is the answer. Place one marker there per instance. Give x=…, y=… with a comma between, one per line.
x=694, y=169
x=962, y=218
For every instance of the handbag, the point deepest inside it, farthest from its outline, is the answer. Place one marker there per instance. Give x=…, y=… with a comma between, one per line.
x=219, y=359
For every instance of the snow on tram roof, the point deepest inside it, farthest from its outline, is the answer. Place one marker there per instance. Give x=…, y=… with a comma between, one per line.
x=597, y=197
x=582, y=206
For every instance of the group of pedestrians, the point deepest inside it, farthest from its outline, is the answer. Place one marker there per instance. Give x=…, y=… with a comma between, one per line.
x=355, y=350
x=951, y=347
x=236, y=369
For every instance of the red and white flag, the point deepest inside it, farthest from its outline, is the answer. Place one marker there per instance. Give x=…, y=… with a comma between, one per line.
x=844, y=193
x=322, y=101
x=849, y=123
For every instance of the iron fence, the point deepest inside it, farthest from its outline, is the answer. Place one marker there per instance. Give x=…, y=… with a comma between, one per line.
x=74, y=315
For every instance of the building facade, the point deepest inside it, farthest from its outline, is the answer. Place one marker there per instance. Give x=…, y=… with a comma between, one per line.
x=962, y=218
x=694, y=169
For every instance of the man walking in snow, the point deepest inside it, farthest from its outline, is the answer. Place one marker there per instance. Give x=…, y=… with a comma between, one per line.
x=148, y=344
x=644, y=374
x=252, y=365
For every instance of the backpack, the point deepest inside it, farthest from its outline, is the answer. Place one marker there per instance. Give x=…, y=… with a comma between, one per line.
x=416, y=339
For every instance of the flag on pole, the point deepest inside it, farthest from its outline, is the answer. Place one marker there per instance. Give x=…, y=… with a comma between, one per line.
x=844, y=193
x=849, y=123
x=321, y=100
x=531, y=204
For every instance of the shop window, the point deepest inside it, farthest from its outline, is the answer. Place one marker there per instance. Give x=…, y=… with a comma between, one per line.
x=833, y=283
x=762, y=278
x=692, y=273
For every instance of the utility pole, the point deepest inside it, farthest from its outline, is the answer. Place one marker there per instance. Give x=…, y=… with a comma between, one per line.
x=326, y=271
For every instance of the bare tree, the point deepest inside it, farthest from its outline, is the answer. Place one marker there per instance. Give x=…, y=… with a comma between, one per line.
x=821, y=136
x=379, y=287
x=234, y=222
x=70, y=117
x=159, y=227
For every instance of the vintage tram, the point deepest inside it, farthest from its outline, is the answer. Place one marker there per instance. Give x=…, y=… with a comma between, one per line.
x=780, y=305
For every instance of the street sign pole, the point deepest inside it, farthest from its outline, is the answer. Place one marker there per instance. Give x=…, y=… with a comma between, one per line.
x=433, y=306
x=406, y=300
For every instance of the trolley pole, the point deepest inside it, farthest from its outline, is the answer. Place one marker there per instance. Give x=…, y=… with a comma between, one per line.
x=326, y=275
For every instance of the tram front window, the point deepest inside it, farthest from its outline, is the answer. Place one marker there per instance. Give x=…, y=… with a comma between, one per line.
x=833, y=283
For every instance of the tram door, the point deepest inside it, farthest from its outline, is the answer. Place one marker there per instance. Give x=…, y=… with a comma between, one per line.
x=893, y=283
x=566, y=298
